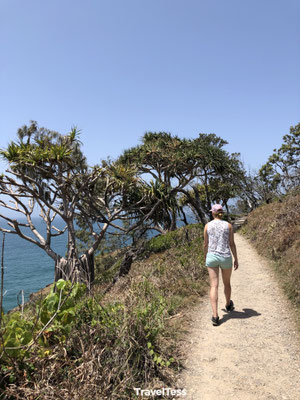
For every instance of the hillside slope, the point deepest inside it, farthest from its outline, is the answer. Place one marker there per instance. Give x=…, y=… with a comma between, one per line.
x=114, y=340
x=274, y=230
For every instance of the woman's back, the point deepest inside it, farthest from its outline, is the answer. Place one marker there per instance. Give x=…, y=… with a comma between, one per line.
x=218, y=237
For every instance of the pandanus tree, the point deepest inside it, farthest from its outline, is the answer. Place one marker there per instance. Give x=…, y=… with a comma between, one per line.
x=282, y=170
x=219, y=174
x=279, y=175
x=164, y=162
x=48, y=172
x=228, y=182
x=185, y=172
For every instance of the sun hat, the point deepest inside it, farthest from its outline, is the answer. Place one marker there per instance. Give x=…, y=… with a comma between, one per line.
x=216, y=207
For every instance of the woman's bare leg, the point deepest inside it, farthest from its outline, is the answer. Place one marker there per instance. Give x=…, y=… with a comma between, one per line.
x=214, y=286
x=226, y=274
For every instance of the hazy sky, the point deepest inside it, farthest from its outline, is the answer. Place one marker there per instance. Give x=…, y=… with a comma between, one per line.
x=119, y=68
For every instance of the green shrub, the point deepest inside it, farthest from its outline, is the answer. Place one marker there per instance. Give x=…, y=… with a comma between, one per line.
x=18, y=331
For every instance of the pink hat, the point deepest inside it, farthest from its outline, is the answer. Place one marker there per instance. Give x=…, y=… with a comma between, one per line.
x=216, y=207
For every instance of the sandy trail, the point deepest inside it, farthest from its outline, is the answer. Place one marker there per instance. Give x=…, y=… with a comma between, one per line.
x=254, y=353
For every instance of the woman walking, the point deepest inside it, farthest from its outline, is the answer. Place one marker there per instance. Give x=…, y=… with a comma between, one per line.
x=218, y=241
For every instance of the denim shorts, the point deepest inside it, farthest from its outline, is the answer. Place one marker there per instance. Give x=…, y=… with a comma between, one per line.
x=214, y=260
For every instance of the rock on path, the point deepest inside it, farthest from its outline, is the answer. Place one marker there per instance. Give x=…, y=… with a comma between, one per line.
x=254, y=353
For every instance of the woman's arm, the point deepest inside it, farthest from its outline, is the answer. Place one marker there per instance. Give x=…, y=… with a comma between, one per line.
x=233, y=247
x=205, y=243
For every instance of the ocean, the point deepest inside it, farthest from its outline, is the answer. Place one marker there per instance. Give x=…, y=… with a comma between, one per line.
x=27, y=267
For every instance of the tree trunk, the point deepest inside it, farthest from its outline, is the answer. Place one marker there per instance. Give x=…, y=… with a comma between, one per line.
x=208, y=199
x=126, y=264
x=173, y=221
x=226, y=206
x=78, y=270
x=184, y=216
x=196, y=203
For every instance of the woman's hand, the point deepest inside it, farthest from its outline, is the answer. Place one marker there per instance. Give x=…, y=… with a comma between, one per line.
x=236, y=264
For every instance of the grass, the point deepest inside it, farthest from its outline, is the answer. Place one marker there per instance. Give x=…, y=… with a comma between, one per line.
x=126, y=338
x=274, y=230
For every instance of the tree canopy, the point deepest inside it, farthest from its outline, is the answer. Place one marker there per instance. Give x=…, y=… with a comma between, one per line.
x=197, y=170
x=278, y=176
x=48, y=172
x=149, y=186
x=283, y=166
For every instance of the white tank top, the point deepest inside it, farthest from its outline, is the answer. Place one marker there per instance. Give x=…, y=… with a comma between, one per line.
x=218, y=238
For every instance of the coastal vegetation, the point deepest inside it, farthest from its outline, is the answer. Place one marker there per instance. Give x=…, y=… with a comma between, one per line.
x=277, y=177
x=274, y=227
x=48, y=172
x=100, y=345
x=113, y=320
x=274, y=230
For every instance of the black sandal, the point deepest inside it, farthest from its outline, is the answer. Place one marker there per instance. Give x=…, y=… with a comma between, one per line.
x=215, y=321
x=230, y=307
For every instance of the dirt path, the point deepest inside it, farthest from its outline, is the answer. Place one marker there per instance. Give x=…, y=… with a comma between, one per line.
x=254, y=353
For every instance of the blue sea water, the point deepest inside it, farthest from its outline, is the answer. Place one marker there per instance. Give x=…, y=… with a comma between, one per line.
x=26, y=266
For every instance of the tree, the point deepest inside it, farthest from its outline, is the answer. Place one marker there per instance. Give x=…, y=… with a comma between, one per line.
x=217, y=178
x=285, y=162
x=48, y=172
x=162, y=159
x=198, y=171
x=279, y=175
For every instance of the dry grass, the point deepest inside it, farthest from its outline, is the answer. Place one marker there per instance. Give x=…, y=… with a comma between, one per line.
x=109, y=350
x=275, y=231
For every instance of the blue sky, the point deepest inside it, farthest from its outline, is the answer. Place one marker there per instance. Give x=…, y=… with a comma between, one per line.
x=119, y=68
